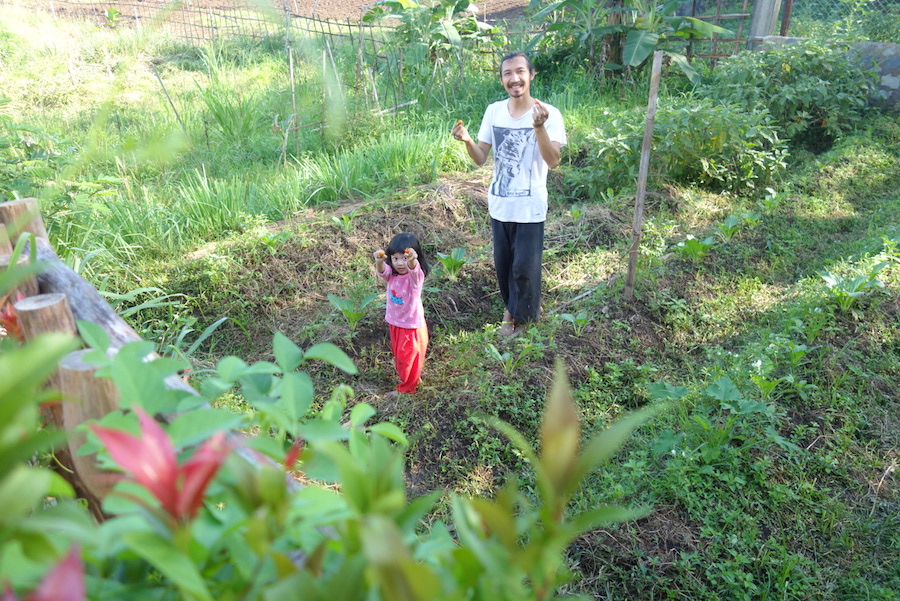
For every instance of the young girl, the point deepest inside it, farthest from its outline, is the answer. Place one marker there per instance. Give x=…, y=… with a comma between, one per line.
x=403, y=266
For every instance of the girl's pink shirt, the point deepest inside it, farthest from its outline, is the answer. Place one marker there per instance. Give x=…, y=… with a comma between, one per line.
x=404, y=298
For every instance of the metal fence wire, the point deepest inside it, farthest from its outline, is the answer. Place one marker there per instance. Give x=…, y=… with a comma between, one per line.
x=198, y=21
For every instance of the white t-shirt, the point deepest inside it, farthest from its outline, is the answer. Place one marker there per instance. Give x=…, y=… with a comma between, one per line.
x=518, y=191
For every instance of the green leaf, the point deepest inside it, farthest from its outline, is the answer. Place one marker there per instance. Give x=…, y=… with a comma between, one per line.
x=287, y=354
x=296, y=394
x=639, y=44
x=174, y=565
x=391, y=432
x=724, y=390
x=319, y=430
x=605, y=514
x=329, y=353
x=605, y=444
x=361, y=413
x=660, y=391
x=94, y=336
x=24, y=369
x=196, y=426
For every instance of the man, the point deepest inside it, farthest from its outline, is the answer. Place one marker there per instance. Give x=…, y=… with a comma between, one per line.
x=526, y=136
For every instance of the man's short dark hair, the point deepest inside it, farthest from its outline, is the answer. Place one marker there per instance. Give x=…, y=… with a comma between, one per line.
x=514, y=55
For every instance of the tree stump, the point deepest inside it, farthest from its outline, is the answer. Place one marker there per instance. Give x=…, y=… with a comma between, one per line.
x=22, y=215
x=26, y=288
x=6, y=247
x=86, y=397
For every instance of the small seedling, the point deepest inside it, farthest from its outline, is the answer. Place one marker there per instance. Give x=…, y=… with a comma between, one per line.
x=274, y=241
x=694, y=249
x=771, y=200
x=576, y=214
x=352, y=310
x=751, y=219
x=729, y=227
x=453, y=262
x=510, y=360
x=845, y=291
x=579, y=322
x=345, y=221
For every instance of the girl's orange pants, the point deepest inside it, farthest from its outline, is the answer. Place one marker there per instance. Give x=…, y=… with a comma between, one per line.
x=408, y=347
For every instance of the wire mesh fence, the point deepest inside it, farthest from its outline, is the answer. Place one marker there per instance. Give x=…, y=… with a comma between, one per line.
x=844, y=20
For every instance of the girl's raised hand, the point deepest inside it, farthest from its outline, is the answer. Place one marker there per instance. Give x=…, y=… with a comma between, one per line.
x=409, y=254
x=380, y=255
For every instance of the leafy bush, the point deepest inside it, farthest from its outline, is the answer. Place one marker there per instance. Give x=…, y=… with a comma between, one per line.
x=203, y=513
x=695, y=142
x=814, y=92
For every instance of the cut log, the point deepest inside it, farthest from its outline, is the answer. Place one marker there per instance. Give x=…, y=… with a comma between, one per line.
x=86, y=397
x=28, y=287
x=87, y=304
x=6, y=246
x=43, y=314
x=20, y=216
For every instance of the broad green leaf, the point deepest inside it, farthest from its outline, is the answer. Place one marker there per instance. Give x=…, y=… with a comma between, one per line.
x=24, y=369
x=296, y=394
x=230, y=368
x=361, y=413
x=94, y=336
x=287, y=354
x=22, y=490
x=319, y=430
x=391, y=432
x=329, y=353
x=639, y=44
x=196, y=426
x=171, y=562
x=661, y=391
x=724, y=390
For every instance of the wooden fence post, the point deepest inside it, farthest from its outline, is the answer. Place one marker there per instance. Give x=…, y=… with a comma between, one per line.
x=86, y=397
x=642, y=176
x=43, y=314
x=6, y=247
x=26, y=288
x=20, y=216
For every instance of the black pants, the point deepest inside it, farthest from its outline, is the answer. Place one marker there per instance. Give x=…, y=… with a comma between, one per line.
x=517, y=258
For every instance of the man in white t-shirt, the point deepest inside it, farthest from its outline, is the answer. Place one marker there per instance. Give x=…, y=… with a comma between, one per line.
x=526, y=136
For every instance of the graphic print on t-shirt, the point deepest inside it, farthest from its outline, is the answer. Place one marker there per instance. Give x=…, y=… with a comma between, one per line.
x=395, y=299
x=512, y=169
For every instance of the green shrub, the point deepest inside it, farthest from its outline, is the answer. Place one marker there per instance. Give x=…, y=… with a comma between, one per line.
x=814, y=92
x=695, y=142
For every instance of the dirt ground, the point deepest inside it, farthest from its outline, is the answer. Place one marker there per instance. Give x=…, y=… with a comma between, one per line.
x=489, y=10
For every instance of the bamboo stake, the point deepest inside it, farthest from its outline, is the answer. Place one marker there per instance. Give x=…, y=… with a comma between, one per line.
x=642, y=176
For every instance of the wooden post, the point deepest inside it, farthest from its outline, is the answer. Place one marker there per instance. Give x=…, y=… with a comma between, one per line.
x=642, y=176
x=38, y=315
x=43, y=314
x=6, y=247
x=86, y=397
x=20, y=216
x=28, y=287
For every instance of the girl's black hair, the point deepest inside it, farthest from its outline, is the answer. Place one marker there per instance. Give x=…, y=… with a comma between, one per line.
x=399, y=244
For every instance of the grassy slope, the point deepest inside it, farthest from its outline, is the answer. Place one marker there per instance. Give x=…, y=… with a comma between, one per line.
x=783, y=489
